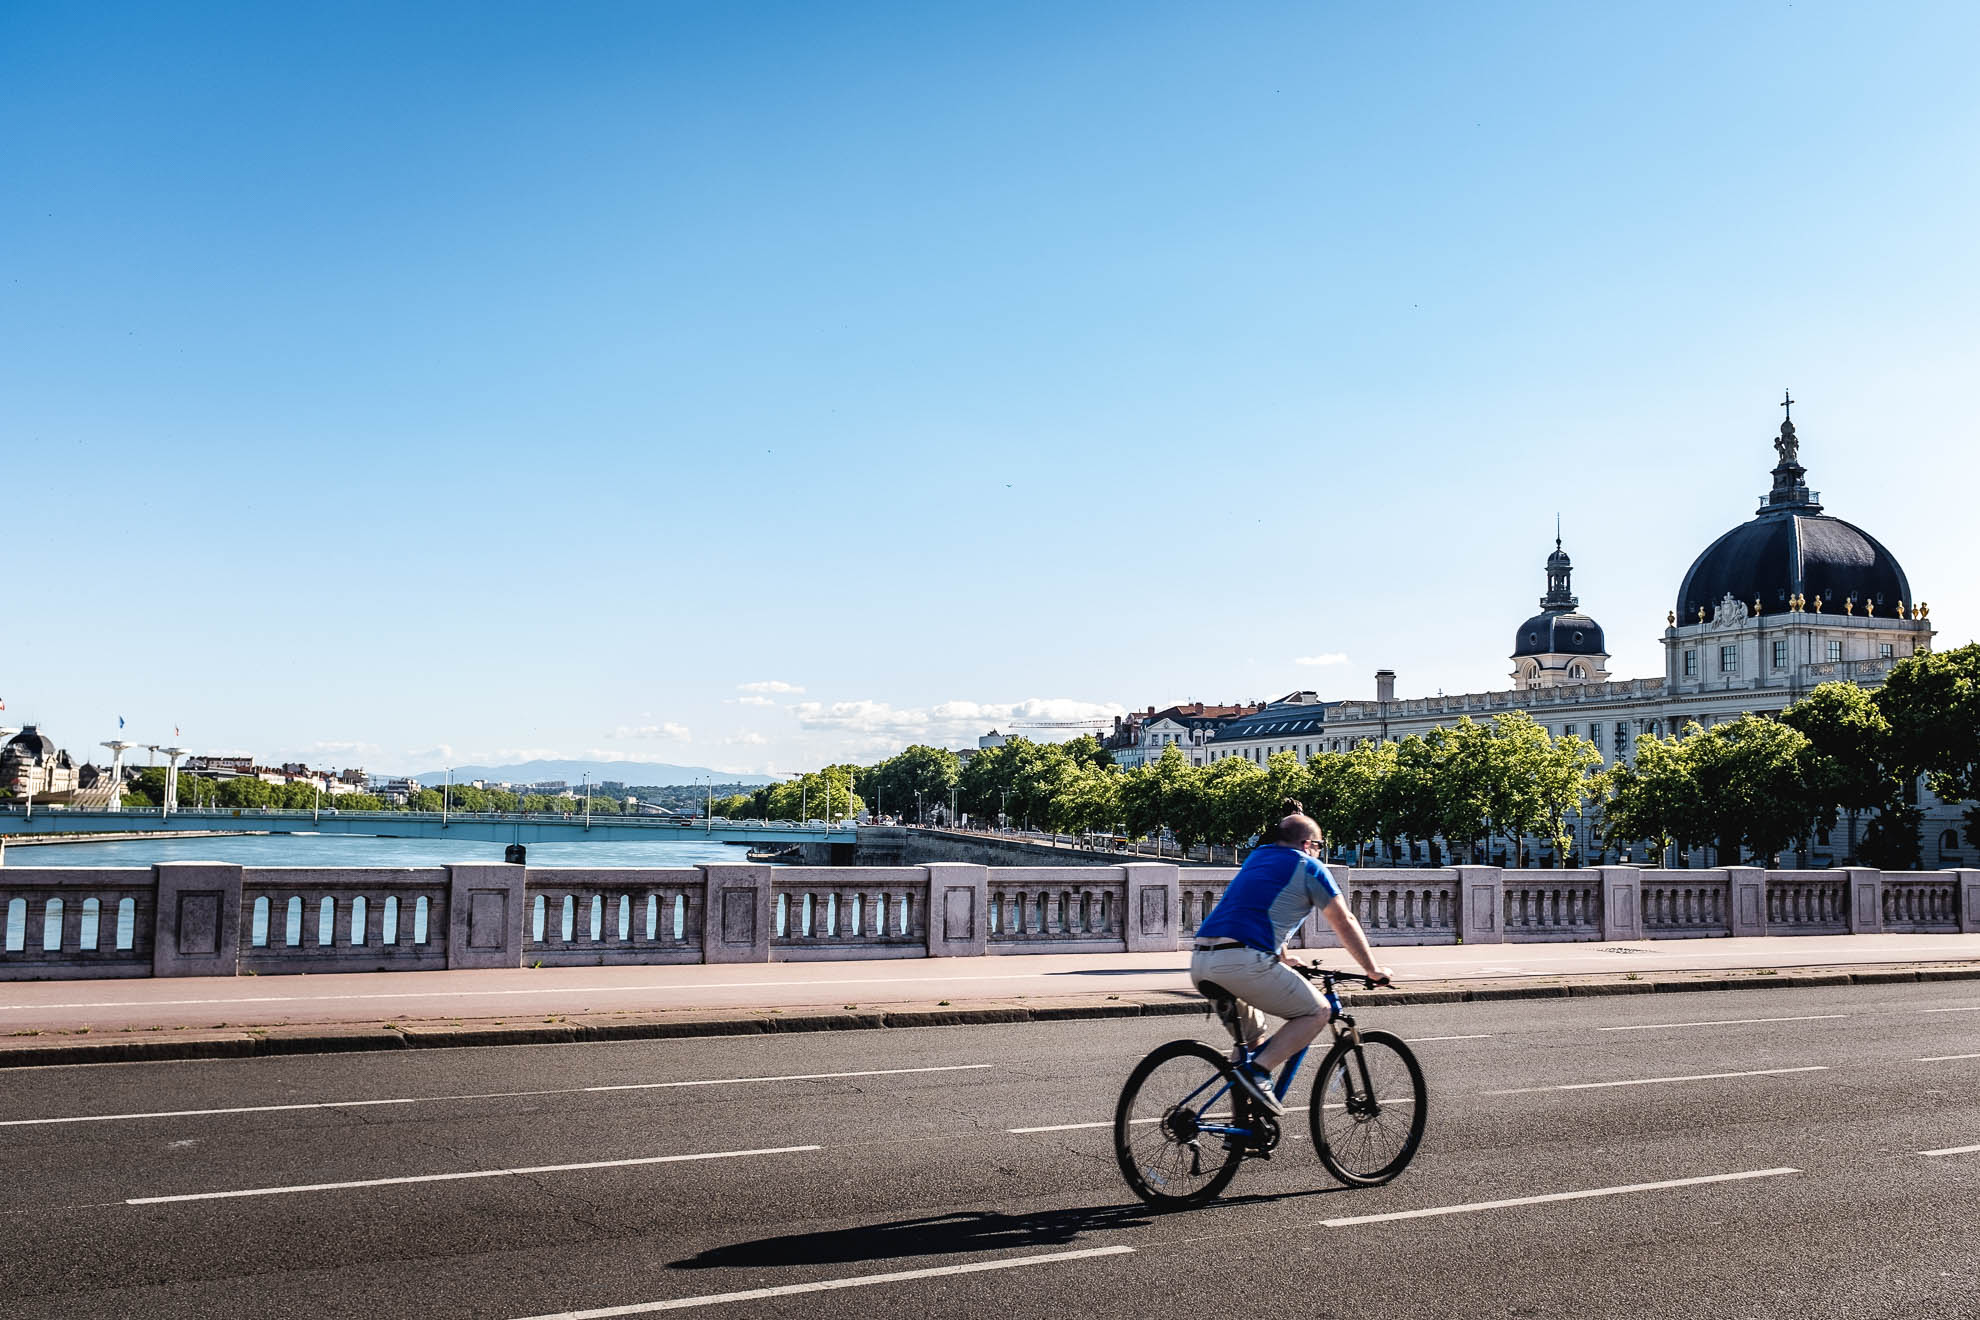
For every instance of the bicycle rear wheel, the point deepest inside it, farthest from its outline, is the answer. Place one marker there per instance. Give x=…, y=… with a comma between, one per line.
x=1368, y=1110
x=1158, y=1142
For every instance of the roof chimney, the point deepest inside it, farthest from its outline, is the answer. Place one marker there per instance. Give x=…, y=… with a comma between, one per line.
x=1385, y=685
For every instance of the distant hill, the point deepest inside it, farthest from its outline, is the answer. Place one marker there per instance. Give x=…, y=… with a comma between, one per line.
x=572, y=772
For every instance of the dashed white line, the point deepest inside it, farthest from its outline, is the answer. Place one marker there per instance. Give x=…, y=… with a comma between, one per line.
x=1970, y=1008
x=459, y=1177
x=829, y=1285
x=1652, y=1081
x=1945, y=1058
x=1424, y=1040
x=1626, y=1189
x=1727, y=1022
x=483, y=1095
x=1952, y=1150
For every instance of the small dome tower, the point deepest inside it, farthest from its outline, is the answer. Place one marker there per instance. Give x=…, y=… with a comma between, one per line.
x=1559, y=646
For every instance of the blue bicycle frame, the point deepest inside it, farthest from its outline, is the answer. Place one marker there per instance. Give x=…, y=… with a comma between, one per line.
x=1279, y=1088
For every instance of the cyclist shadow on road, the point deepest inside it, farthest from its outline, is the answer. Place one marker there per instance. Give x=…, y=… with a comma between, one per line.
x=956, y=1234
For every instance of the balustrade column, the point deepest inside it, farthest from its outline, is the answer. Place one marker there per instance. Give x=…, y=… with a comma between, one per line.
x=485, y=914
x=1480, y=901
x=1622, y=901
x=1866, y=900
x=197, y=930
x=958, y=910
x=736, y=912
x=1149, y=921
x=1747, y=886
x=1968, y=889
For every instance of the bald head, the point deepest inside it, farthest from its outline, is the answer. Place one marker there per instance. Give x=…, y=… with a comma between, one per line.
x=1296, y=829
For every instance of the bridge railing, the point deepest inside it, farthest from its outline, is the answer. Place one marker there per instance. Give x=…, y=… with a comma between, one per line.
x=203, y=918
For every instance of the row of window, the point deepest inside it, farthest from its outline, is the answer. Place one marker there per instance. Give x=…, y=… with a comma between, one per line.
x=1729, y=656
x=357, y=931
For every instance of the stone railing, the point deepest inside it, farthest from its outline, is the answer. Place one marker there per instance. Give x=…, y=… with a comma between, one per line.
x=1553, y=905
x=320, y=919
x=1063, y=909
x=609, y=916
x=1807, y=902
x=1680, y=905
x=828, y=912
x=214, y=919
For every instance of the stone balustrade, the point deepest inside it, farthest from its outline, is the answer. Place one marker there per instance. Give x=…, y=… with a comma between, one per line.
x=215, y=919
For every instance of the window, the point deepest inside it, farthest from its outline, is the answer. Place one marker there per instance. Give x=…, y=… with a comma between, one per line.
x=1834, y=651
x=1885, y=651
x=1780, y=655
x=1691, y=664
x=1569, y=730
x=1576, y=671
x=1729, y=659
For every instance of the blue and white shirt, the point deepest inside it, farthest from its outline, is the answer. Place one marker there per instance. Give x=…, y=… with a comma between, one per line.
x=1268, y=898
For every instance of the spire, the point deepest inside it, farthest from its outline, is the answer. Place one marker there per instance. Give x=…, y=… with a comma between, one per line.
x=1559, y=570
x=1790, y=489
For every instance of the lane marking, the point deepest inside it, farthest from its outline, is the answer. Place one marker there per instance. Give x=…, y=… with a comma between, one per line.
x=829, y=1285
x=484, y=1095
x=1728, y=1022
x=1970, y=1008
x=458, y=1177
x=1952, y=1150
x=1652, y=1081
x=1945, y=1058
x=1624, y=1190
x=1424, y=1040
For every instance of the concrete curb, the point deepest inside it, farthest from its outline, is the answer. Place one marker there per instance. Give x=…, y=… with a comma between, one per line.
x=270, y=1042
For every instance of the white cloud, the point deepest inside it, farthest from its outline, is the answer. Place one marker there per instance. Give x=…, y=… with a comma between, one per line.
x=1330, y=658
x=752, y=739
x=439, y=752
x=752, y=701
x=507, y=755
x=666, y=732
x=769, y=685
x=876, y=726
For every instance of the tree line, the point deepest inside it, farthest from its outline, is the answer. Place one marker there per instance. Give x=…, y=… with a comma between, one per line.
x=1747, y=789
x=147, y=789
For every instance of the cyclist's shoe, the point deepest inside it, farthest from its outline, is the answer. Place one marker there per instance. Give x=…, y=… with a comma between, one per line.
x=1257, y=1084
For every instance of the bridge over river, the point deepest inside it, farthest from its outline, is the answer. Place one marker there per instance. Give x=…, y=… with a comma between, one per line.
x=493, y=827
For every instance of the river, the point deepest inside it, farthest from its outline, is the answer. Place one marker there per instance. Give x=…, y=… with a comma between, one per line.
x=356, y=850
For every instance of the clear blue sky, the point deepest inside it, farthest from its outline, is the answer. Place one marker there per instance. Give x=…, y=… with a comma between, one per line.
x=404, y=384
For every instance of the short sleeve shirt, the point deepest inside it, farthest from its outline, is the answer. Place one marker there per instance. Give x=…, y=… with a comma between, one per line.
x=1268, y=898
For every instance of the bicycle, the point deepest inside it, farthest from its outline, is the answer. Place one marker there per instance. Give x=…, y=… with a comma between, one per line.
x=1366, y=1113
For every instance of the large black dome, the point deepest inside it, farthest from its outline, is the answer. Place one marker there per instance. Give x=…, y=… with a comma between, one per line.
x=1783, y=553
x=1791, y=548
x=1557, y=633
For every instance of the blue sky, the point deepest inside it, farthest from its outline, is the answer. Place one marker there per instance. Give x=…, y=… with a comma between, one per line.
x=756, y=385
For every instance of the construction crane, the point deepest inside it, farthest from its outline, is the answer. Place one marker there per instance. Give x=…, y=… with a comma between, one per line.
x=1064, y=724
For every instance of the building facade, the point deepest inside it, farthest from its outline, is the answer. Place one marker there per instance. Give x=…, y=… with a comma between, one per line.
x=1143, y=736
x=1785, y=601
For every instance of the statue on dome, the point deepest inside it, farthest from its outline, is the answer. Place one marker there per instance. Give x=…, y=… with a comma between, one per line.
x=1787, y=446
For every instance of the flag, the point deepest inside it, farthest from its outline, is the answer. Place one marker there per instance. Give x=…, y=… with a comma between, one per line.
x=175, y=732
x=120, y=721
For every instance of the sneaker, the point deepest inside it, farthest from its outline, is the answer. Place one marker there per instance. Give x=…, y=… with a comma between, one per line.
x=1257, y=1084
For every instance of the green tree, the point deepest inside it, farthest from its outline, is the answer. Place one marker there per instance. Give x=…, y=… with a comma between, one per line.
x=1932, y=703
x=930, y=771
x=1345, y=796
x=1656, y=799
x=1850, y=748
x=246, y=791
x=1159, y=794
x=1752, y=786
x=356, y=802
x=1088, y=800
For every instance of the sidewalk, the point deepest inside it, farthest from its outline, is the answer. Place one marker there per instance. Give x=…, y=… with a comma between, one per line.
x=45, y=1022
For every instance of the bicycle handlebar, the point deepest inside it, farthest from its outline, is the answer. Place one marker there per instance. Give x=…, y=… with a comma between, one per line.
x=1315, y=972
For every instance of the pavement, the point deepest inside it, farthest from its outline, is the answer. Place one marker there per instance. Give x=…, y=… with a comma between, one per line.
x=61, y=1022
x=1809, y=1153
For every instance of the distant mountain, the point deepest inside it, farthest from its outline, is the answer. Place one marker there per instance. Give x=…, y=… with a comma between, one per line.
x=572, y=772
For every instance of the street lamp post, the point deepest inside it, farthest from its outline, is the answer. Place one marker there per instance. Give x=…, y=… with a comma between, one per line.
x=587, y=799
x=446, y=793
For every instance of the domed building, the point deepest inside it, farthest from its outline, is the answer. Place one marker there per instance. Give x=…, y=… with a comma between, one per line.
x=31, y=764
x=1560, y=644
x=1787, y=600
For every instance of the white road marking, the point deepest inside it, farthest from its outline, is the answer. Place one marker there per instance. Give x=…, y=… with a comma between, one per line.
x=1424, y=1040
x=1945, y=1058
x=1970, y=1008
x=482, y=1095
x=829, y=1285
x=1556, y=1196
x=1727, y=1022
x=458, y=1177
x=1952, y=1150
x=1652, y=1081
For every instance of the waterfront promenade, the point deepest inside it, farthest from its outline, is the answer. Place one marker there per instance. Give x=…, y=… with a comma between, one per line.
x=187, y=1016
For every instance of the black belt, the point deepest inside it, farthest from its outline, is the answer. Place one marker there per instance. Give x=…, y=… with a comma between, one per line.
x=1226, y=944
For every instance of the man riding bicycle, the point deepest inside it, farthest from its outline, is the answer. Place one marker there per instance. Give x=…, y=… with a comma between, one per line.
x=1240, y=950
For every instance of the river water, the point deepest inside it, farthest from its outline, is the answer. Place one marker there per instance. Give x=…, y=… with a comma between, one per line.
x=354, y=850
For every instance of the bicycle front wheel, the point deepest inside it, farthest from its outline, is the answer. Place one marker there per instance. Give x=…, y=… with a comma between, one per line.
x=1368, y=1110
x=1164, y=1152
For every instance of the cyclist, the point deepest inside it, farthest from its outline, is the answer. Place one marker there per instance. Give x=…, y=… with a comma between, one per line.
x=1240, y=950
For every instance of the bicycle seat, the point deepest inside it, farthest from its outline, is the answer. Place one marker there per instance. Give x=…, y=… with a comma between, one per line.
x=1225, y=1003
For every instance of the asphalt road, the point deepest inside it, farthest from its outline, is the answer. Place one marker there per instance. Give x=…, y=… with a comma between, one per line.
x=537, y=1181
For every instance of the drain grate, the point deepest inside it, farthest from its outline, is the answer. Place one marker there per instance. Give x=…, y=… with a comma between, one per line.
x=1620, y=948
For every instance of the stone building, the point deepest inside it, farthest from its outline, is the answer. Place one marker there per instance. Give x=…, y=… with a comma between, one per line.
x=1789, y=599
x=1142, y=737
x=31, y=765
